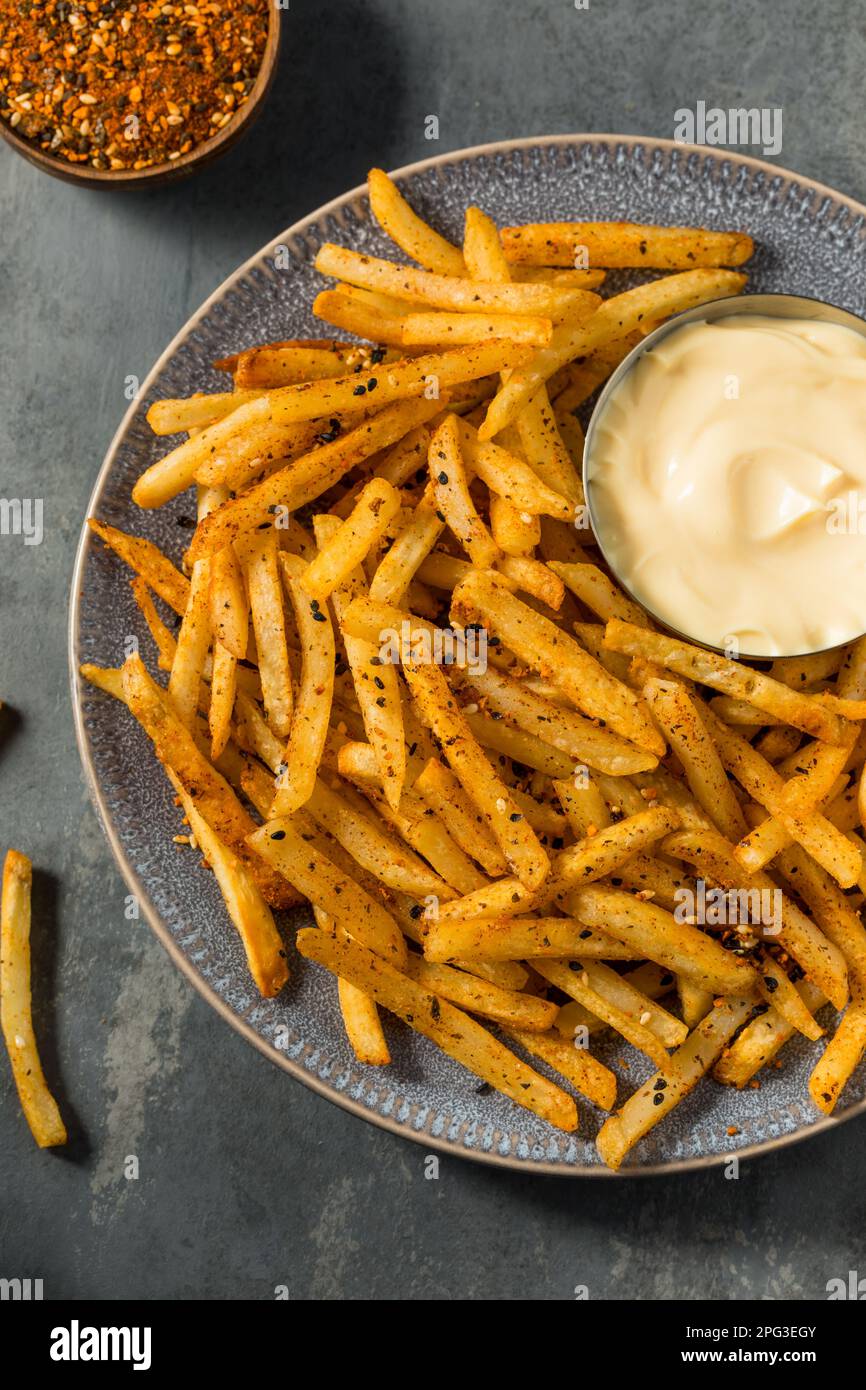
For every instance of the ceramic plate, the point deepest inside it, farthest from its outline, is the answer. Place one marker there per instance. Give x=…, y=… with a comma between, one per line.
x=810, y=241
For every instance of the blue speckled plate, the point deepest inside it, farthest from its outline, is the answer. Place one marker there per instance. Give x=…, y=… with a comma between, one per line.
x=810, y=241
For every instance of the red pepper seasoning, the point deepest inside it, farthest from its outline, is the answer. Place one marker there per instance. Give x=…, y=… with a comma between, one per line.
x=122, y=85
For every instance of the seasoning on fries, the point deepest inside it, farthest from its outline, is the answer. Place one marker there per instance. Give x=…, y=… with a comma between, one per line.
x=406, y=688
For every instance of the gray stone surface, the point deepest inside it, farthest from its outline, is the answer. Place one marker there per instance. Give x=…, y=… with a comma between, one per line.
x=247, y=1181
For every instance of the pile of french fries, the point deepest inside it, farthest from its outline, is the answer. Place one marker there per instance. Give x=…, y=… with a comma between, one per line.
x=404, y=687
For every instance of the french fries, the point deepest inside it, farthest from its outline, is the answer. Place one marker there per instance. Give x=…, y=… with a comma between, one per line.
x=37, y=1102
x=496, y=784
x=453, y=1031
x=623, y=244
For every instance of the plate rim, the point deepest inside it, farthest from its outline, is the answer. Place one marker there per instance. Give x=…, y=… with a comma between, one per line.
x=293, y=1068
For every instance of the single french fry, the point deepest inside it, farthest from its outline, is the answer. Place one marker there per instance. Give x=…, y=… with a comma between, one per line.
x=286, y=849
x=839, y=1059
x=408, y=230
x=616, y=318
x=178, y=751
x=311, y=713
x=482, y=249
x=229, y=604
x=266, y=955
x=405, y=558
x=660, y=937
x=831, y=910
x=679, y=718
x=580, y=1069
x=778, y=990
x=287, y=364
x=598, y=591
x=40, y=1108
x=452, y=497
x=556, y=656
x=438, y=710
x=481, y=997
x=147, y=560
x=643, y=1110
x=454, y=293
x=196, y=412
x=546, y=451
x=619, y=245
x=223, y=690
x=269, y=624
x=166, y=642
x=363, y=1025
x=344, y=311
x=440, y=329
x=193, y=642
x=374, y=679
x=608, y=850
x=454, y=1031
x=520, y=938
x=730, y=677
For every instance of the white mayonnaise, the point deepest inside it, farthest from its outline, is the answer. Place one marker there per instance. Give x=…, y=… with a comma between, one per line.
x=728, y=483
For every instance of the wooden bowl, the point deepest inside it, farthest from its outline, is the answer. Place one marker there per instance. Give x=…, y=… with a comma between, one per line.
x=171, y=170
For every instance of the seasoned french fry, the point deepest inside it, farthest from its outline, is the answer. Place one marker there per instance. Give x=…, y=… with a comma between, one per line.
x=223, y=690
x=439, y=329
x=452, y=497
x=352, y=315
x=761, y=1040
x=269, y=624
x=37, y=1102
x=581, y=1070
x=178, y=751
x=408, y=230
x=390, y=863
x=660, y=937
x=679, y=718
x=363, y=1025
x=520, y=938
x=193, y=642
x=607, y=851
x=147, y=560
x=229, y=604
x=458, y=1035
x=311, y=713
x=642, y=1111
x=481, y=997
x=839, y=1058
x=266, y=955
x=438, y=710
x=624, y=244
x=598, y=591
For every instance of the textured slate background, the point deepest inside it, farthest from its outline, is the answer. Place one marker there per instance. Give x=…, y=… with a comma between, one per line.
x=247, y=1181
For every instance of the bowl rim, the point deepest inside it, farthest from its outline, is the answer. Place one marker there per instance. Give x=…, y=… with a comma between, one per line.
x=768, y=303
x=170, y=170
x=296, y=1069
